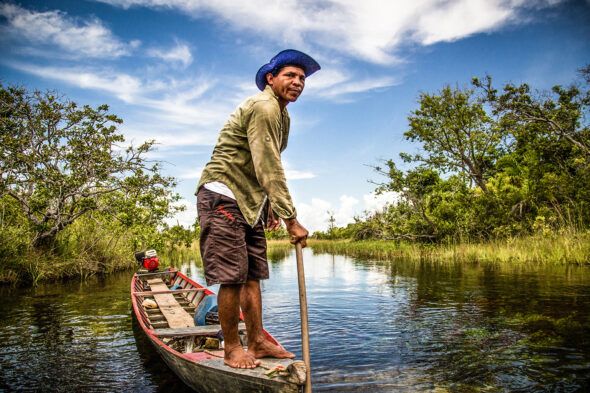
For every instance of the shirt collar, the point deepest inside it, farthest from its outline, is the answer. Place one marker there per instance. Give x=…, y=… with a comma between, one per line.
x=269, y=91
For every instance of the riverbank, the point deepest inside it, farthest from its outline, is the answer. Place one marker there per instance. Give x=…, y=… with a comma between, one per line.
x=36, y=267
x=557, y=249
x=561, y=249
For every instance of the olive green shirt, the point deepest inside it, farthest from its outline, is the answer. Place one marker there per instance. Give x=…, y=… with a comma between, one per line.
x=247, y=157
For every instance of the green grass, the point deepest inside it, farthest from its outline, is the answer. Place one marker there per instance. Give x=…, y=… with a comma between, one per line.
x=101, y=252
x=278, y=250
x=82, y=250
x=558, y=249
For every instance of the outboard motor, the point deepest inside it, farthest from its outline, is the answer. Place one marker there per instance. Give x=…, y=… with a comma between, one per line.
x=148, y=260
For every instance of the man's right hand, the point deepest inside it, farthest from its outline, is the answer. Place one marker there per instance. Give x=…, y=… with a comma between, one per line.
x=297, y=231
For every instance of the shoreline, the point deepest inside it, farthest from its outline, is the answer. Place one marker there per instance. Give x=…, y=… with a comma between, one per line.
x=529, y=251
x=557, y=249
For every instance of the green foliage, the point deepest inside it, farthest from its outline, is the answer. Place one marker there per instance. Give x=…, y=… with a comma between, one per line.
x=457, y=134
x=15, y=239
x=178, y=235
x=494, y=164
x=73, y=201
x=61, y=161
x=277, y=234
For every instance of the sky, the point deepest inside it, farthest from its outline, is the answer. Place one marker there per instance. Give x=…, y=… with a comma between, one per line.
x=174, y=71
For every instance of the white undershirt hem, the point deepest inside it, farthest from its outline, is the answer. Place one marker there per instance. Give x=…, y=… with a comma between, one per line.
x=220, y=188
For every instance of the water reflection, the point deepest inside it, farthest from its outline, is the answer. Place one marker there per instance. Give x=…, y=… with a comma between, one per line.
x=70, y=337
x=375, y=326
x=420, y=326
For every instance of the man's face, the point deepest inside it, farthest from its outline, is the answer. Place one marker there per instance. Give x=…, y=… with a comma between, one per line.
x=287, y=84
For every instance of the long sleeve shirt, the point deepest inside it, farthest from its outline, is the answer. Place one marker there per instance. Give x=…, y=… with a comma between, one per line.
x=247, y=157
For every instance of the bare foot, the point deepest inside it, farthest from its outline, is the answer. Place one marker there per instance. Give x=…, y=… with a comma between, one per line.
x=236, y=357
x=264, y=348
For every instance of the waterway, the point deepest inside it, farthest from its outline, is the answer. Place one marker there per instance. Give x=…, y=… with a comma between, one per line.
x=375, y=327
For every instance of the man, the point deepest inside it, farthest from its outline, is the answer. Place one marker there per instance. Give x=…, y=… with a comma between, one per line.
x=241, y=190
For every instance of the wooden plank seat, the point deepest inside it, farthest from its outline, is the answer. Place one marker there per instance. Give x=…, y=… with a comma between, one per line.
x=176, y=316
x=172, y=291
x=207, y=330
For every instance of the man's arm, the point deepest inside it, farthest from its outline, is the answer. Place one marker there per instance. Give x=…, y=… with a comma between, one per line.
x=264, y=139
x=264, y=134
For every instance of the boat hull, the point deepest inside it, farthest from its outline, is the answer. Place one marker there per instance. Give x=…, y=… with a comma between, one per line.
x=202, y=378
x=205, y=372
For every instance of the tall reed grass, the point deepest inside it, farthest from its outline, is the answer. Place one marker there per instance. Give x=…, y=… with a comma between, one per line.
x=87, y=251
x=560, y=249
x=84, y=249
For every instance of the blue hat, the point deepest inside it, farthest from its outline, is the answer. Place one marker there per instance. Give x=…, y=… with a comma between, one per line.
x=284, y=58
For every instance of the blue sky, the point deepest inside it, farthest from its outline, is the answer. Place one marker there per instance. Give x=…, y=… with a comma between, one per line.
x=174, y=70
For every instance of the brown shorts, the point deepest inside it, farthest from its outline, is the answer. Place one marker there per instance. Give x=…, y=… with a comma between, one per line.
x=232, y=251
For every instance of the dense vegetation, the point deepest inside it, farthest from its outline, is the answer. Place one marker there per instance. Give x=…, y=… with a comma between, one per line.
x=492, y=164
x=73, y=201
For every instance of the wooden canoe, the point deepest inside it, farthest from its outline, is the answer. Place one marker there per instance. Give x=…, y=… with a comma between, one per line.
x=170, y=328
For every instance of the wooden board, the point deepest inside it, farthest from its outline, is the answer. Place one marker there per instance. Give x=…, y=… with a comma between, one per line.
x=193, y=331
x=176, y=316
x=151, y=293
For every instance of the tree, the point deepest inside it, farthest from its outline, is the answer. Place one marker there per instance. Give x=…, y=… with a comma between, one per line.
x=331, y=223
x=60, y=161
x=560, y=114
x=547, y=161
x=410, y=217
x=456, y=133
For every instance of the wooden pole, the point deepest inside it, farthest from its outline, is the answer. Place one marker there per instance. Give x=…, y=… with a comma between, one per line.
x=303, y=311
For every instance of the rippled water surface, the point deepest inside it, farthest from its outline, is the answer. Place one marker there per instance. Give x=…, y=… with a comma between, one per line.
x=374, y=326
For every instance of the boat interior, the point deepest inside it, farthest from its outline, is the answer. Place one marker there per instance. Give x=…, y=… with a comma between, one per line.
x=168, y=304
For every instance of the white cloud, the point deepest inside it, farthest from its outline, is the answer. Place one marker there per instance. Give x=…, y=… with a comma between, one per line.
x=376, y=202
x=358, y=86
x=167, y=136
x=346, y=210
x=326, y=79
x=123, y=86
x=334, y=83
x=174, y=112
x=87, y=38
x=180, y=53
x=453, y=20
x=372, y=30
x=316, y=214
x=294, y=174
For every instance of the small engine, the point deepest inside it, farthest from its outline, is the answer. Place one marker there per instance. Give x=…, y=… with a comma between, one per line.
x=148, y=260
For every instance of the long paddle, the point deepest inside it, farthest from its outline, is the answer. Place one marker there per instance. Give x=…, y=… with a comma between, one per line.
x=303, y=311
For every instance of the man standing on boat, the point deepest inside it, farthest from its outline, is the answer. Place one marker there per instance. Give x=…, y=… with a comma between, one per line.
x=243, y=189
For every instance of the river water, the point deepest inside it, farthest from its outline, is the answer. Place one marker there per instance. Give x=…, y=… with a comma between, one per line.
x=374, y=326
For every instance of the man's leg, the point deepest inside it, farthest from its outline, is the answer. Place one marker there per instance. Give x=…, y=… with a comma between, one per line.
x=258, y=345
x=228, y=302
